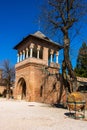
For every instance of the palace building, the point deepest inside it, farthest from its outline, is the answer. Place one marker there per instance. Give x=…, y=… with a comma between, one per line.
x=37, y=69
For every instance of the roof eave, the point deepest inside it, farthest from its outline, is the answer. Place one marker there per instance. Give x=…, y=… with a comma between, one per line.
x=54, y=43
x=31, y=35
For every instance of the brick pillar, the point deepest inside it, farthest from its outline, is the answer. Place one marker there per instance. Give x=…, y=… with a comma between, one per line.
x=45, y=54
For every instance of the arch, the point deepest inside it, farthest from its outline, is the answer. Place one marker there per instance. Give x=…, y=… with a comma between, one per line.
x=35, y=51
x=21, y=88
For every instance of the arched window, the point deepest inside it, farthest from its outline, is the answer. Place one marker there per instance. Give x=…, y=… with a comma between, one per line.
x=41, y=91
x=35, y=52
x=41, y=53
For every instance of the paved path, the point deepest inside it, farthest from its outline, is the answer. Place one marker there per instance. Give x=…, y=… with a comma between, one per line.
x=21, y=115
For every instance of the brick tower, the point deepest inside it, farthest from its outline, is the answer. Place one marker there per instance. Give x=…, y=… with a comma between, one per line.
x=37, y=75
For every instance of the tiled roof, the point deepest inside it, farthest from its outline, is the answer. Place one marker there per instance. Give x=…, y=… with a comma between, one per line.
x=41, y=36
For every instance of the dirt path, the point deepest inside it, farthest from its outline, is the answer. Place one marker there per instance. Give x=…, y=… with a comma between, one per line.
x=21, y=115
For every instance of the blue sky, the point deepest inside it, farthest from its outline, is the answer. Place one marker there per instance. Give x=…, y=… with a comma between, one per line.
x=18, y=18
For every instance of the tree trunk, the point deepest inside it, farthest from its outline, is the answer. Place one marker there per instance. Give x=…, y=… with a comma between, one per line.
x=8, y=92
x=65, y=79
x=66, y=66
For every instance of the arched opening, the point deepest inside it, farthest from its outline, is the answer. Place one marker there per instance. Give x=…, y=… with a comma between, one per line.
x=35, y=52
x=22, y=88
x=41, y=53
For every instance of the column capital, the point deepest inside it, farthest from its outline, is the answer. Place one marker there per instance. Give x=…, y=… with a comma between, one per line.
x=52, y=51
x=20, y=52
x=32, y=45
x=57, y=53
x=27, y=49
x=38, y=47
x=23, y=51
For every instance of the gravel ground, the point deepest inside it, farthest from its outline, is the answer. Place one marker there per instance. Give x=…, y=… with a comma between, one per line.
x=21, y=115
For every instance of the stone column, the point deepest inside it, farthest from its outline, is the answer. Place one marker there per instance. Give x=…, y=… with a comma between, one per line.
x=57, y=54
x=18, y=58
x=51, y=56
x=31, y=50
x=23, y=54
x=38, y=52
x=26, y=53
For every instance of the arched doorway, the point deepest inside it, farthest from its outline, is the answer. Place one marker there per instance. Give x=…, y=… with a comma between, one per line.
x=22, y=88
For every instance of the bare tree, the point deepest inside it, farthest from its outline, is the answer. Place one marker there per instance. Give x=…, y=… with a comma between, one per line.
x=8, y=75
x=62, y=16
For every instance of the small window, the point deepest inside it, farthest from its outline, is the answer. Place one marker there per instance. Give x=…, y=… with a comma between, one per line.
x=54, y=87
x=41, y=53
x=41, y=91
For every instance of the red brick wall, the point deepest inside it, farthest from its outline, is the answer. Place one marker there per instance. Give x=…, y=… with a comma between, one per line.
x=40, y=86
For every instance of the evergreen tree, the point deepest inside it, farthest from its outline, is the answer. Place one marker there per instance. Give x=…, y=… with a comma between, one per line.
x=81, y=66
